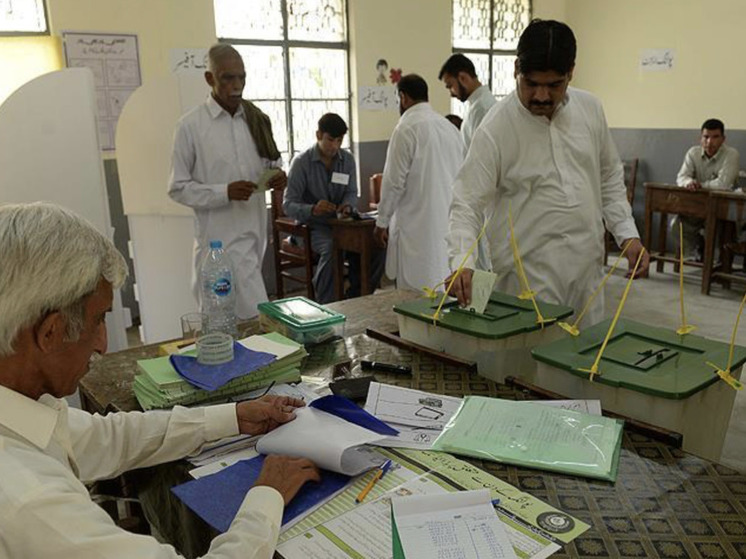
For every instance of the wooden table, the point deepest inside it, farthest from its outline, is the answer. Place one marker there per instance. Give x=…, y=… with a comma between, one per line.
x=670, y=199
x=723, y=207
x=665, y=503
x=352, y=236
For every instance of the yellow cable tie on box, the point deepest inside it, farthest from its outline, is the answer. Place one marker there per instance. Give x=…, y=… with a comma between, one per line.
x=436, y=316
x=573, y=329
x=725, y=374
x=594, y=368
x=685, y=328
x=527, y=293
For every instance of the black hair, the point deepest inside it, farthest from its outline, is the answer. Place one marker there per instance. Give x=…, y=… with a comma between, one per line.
x=455, y=120
x=332, y=124
x=714, y=124
x=457, y=63
x=546, y=45
x=414, y=86
x=382, y=62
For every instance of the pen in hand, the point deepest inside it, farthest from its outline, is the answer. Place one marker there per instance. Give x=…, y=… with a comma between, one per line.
x=378, y=475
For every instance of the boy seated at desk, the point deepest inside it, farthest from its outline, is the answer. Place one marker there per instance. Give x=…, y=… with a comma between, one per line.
x=57, y=284
x=322, y=185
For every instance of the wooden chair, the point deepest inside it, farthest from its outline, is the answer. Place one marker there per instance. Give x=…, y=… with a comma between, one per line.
x=374, y=190
x=288, y=256
x=630, y=181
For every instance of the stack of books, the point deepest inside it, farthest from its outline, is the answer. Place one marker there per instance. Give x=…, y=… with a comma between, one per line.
x=159, y=385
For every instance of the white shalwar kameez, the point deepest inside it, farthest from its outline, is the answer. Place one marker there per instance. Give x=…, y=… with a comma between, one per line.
x=560, y=177
x=423, y=157
x=211, y=150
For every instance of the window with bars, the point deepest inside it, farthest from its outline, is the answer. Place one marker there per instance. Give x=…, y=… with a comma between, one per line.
x=487, y=31
x=296, y=58
x=23, y=17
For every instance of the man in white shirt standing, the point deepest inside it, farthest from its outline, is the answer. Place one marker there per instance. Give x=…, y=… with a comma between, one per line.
x=56, y=286
x=460, y=78
x=221, y=148
x=711, y=164
x=545, y=154
x=423, y=157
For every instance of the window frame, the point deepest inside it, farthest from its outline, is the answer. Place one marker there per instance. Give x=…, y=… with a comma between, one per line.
x=287, y=44
x=490, y=52
x=46, y=31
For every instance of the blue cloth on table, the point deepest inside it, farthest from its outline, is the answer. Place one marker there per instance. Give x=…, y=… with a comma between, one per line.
x=212, y=377
x=217, y=498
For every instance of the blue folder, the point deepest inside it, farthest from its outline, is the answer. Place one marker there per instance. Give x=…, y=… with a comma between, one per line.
x=217, y=498
x=212, y=377
x=350, y=411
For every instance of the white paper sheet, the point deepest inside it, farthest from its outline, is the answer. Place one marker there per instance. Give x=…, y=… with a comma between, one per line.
x=330, y=442
x=405, y=406
x=461, y=525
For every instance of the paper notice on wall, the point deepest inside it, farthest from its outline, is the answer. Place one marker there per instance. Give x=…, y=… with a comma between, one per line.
x=657, y=60
x=188, y=60
x=115, y=62
x=378, y=98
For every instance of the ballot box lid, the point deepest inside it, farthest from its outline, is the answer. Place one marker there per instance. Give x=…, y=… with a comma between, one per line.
x=505, y=315
x=647, y=359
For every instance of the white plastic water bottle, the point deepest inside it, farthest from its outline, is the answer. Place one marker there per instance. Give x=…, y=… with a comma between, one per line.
x=218, y=291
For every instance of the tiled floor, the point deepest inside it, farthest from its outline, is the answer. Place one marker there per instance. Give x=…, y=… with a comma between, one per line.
x=656, y=301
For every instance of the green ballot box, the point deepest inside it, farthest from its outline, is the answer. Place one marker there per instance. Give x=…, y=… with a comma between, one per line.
x=302, y=320
x=650, y=374
x=500, y=340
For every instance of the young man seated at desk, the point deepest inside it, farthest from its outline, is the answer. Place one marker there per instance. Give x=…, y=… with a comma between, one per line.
x=322, y=184
x=713, y=165
x=56, y=286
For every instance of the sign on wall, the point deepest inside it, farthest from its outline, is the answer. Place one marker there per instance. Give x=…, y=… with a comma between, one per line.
x=115, y=62
x=657, y=60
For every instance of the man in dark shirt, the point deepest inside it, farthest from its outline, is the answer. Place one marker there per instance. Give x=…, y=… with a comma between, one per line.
x=322, y=184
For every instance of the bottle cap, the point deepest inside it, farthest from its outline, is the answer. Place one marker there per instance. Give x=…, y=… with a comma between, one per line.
x=216, y=244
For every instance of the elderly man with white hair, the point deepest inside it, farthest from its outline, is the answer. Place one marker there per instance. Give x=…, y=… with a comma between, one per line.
x=221, y=148
x=57, y=276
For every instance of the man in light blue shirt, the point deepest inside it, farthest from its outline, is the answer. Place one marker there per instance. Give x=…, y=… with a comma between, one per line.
x=322, y=184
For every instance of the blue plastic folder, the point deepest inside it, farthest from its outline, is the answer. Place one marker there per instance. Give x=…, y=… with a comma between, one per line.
x=212, y=377
x=217, y=498
x=350, y=411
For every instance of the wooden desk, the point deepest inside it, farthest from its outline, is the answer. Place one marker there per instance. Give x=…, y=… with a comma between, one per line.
x=665, y=503
x=352, y=236
x=723, y=207
x=665, y=199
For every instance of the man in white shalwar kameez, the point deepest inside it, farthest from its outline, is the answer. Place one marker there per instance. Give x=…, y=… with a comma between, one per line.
x=423, y=157
x=546, y=153
x=221, y=148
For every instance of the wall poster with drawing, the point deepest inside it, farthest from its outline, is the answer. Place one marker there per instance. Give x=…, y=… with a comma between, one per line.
x=115, y=62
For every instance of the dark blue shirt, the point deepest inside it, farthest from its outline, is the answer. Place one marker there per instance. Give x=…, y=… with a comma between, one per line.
x=310, y=181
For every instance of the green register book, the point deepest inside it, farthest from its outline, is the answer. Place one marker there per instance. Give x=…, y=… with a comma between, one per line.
x=158, y=385
x=534, y=436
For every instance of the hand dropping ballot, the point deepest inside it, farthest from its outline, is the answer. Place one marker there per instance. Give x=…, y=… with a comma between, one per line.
x=482, y=284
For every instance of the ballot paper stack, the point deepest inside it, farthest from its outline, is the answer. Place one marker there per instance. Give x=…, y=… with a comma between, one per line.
x=159, y=385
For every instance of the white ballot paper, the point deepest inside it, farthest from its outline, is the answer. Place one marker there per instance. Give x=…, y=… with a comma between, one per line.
x=462, y=524
x=330, y=442
x=418, y=416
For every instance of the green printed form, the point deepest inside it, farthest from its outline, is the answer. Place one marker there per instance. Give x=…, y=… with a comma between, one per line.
x=263, y=182
x=341, y=529
x=534, y=436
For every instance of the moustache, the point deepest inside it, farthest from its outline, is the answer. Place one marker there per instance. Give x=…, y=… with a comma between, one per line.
x=541, y=103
